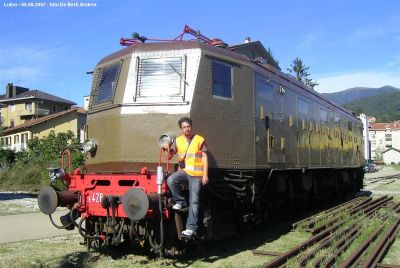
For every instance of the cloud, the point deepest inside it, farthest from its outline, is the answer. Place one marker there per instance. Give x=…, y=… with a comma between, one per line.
x=29, y=64
x=334, y=83
x=395, y=62
x=388, y=26
x=26, y=75
x=308, y=40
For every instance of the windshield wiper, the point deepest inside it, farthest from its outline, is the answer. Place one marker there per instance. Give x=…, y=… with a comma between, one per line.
x=180, y=75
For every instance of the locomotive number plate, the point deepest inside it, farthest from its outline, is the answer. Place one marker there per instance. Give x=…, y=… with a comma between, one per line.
x=95, y=197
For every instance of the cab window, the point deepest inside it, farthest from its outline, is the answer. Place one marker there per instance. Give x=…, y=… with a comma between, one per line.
x=106, y=83
x=221, y=79
x=160, y=78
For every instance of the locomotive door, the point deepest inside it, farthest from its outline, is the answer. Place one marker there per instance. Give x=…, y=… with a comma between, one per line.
x=303, y=132
x=268, y=124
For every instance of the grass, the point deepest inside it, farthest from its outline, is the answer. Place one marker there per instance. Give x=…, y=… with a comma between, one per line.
x=55, y=252
x=66, y=252
x=396, y=166
x=393, y=255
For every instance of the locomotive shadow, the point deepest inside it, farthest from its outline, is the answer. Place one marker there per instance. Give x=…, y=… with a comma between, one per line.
x=76, y=260
x=256, y=237
x=213, y=251
x=13, y=196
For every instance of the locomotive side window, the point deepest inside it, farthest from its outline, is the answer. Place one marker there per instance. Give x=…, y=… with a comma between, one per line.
x=266, y=92
x=349, y=126
x=106, y=83
x=324, y=117
x=303, y=107
x=337, y=120
x=221, y=79
x=161, y=77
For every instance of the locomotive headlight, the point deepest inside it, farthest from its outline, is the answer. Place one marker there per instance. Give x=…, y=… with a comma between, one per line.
x=56, y=173
x=166, y=140
x=89, y=146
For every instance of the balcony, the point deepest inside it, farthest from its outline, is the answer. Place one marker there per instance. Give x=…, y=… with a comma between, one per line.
x=33, y=112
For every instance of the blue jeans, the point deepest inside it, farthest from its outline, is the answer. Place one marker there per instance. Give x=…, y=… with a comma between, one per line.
x=174, y=181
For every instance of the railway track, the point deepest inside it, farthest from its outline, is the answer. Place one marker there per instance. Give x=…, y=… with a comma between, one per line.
x=354, y=234
x=381, y=179
x=373, y=184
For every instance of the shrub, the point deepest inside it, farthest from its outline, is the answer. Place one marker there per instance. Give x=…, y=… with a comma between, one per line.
x=7, y=156
x=27, y=170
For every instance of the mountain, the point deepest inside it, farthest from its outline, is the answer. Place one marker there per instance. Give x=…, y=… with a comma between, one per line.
x=358, y=93
x=385, y=107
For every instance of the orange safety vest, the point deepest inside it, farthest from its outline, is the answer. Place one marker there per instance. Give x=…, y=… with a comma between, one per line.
x=194, y=156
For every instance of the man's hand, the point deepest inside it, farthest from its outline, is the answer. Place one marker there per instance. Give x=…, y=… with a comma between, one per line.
x=171, y=152
x=204, y=180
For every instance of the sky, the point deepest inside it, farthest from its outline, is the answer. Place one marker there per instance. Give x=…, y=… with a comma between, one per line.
x=346, y=43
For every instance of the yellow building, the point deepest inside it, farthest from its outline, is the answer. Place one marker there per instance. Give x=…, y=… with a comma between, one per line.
x=20, y=104
x=17, y=137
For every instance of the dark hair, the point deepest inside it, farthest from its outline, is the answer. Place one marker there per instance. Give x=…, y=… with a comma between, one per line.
x=184, y=119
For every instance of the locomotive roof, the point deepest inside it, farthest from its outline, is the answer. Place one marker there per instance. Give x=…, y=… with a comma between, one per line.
x=227, y=52
x=173, y=45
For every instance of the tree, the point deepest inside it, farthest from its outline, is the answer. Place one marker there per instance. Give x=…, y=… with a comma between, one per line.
x=300, y=72
x=269, y=50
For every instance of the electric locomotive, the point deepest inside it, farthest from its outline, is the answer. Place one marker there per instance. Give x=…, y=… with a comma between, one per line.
x=272, y=142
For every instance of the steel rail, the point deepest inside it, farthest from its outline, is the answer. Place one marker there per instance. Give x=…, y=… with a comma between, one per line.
x=382, y=246
x=358, y=252
x=343, y=244
x=366, y=208
x=282, y=258
x=347, y=242
x=378, y=179
x=384, y=265
x=338, y=237
x=342, y=207
x=265, y=253
x=346, y=232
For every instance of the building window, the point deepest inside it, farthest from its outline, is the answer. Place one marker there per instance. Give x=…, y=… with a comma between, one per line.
x=388, y=136
x=28, y=106
x=16, y=139
x=106, y=83
x=11, y=108
x=24, y=138
x=12, y=123
x=221, y=79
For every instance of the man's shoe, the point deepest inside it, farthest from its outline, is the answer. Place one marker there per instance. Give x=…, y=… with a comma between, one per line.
x=177, y=206
x=188, y=233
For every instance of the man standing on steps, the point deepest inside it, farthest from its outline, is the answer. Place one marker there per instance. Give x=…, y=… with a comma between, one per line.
x=193, y=168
